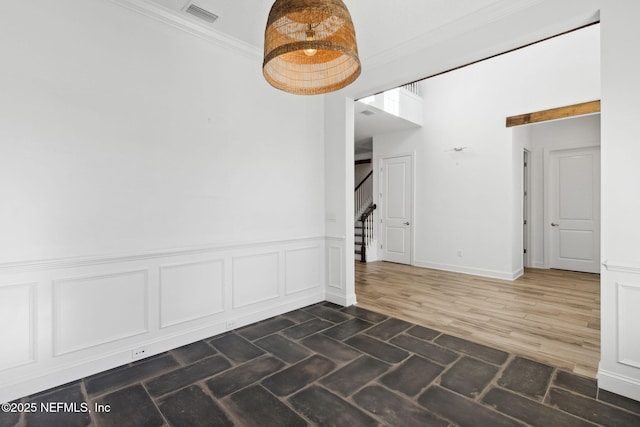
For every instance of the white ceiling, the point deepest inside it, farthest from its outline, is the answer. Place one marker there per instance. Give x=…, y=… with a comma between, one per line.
x=375, y=122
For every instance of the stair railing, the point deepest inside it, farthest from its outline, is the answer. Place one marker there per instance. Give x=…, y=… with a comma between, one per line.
x=367, y=231
x=363, y=195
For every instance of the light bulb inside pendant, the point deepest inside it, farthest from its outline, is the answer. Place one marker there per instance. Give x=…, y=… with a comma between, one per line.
x=310, y=38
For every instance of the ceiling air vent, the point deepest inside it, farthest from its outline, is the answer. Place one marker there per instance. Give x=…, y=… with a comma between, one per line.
x=201, y=13
x=367, y=112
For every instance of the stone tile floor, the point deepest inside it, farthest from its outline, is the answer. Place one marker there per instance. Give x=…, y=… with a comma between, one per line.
x=331, y=366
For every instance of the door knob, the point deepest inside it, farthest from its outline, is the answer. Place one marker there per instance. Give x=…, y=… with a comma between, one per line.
x=553, y=224
x=407, y=223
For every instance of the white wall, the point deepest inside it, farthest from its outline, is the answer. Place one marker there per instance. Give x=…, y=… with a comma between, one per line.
x=101, y=116
x=155, y=190
x=471, y=201
x=620, y=289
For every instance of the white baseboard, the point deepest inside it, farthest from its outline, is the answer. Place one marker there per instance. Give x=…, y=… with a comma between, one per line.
x=619, y=384
x=342, y=300
x=513, y=275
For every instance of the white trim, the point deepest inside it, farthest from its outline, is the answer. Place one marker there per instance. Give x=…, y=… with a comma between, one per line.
x=493, y=274
x=161, y=290
x=57, y=310
x=170, y=17
x=622, y=355
x=285, y=260
x=72, y=262
x=527, y=209
x=51, y=368
x=235, y=303
x=32, y=289
x=621, y=267
x=337, y=271
x=341, y=299
x=619, y=384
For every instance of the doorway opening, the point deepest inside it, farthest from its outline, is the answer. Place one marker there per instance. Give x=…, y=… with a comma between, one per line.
x=561, y=209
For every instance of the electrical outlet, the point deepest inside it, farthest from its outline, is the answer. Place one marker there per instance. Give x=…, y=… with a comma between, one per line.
x=460, y=253
x=139, y=353
x=231, y=324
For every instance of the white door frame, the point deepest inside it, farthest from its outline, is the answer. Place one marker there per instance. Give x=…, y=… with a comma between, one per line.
x=526, y=208
x=547, y=197
x=381, y=199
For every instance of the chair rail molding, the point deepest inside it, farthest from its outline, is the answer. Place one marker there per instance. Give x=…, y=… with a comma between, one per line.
x=621, y=267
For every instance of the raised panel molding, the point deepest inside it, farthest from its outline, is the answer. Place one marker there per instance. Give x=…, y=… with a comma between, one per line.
x=94, y=310
x=303, y=269
x=628, y=324
x=83, y=315
x=191, y=291
x=335, y=267
x=17, y=317
x=255, y=278
x=619, y=370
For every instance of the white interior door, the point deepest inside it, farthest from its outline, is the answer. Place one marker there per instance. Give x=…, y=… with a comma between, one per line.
x=397, y=199
x=574, y=210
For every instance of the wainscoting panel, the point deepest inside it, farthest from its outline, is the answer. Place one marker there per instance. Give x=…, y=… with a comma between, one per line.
x=17, y=313
x=191, y=291
x=619, y=369
x=302, y=270
x=255, y=278
x=89, y=311
x=75, y=317
x=629, y=324
x=334, y=266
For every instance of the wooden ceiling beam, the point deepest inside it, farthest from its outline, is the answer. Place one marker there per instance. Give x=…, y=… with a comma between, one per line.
x=554, y=114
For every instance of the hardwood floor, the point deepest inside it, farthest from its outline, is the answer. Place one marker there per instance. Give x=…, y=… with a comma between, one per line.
x=551, y=316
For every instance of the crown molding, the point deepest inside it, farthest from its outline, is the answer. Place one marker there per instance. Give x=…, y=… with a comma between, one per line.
x=170, y=17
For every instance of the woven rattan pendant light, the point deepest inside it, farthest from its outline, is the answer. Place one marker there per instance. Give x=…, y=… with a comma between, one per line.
x=310, y=47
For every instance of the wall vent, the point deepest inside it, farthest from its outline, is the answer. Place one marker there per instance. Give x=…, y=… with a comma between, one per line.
x=201, y=13
x=367, y=112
